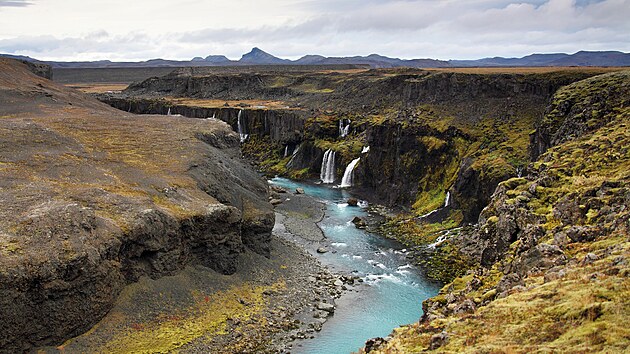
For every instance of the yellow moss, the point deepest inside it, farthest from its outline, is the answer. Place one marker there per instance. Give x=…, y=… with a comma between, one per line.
x=206, y=319
x=431, y=143
x=10, y=247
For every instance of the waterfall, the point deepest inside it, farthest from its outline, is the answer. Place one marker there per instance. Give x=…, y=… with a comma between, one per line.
x=327, y=174
x=444, y=235
x=290, y=163
x=241, y=127
x=349, y=174
x=169, y=111
x=286, y=151
x=365, y=150
x=344, y=129
x=447, y=202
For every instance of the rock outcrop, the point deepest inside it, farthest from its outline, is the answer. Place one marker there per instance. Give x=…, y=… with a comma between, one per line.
x=39, y=69
x=93, y=199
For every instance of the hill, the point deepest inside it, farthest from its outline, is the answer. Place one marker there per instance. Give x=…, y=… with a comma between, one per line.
x=259, y=57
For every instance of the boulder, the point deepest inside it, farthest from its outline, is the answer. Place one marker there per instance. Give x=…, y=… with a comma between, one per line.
x=278, y=189
x=353, y=201
x=438, y=340
x=323, y=306
x=374, y=344
x=359, y=223
x=322, y=250
x=299, y=190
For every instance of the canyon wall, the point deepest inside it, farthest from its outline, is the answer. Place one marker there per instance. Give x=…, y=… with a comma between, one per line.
x=428, y=132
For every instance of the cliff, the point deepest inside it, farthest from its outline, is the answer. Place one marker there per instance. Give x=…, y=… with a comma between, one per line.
x=552, y=246
x=429, y=132
x=93, y=199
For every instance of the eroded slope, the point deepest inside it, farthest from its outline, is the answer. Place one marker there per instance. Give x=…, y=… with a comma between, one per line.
x=92, y=199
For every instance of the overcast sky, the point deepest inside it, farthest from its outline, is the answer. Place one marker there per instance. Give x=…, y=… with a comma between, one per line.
x=182, y=29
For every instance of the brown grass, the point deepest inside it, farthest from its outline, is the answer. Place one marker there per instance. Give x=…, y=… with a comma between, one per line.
x=98, y=87
x=210, y=103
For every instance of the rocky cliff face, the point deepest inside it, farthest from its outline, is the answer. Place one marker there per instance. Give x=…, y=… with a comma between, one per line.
x=94, y=198
x=284, y=126
x=429, y=132
x=577, y=110
x=552, y=246
x=39, y=69
x=402, y=158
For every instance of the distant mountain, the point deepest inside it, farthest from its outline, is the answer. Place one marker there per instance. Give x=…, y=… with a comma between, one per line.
x=259, y=57
x=583, y=58
x=374, y=60
x=594, y=59
x=218, y=59
x=18, y=57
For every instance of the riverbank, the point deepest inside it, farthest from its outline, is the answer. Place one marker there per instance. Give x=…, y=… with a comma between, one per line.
x=386, y=290
x=263, y=307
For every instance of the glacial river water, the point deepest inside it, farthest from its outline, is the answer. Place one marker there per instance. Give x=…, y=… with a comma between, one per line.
x=394, y=289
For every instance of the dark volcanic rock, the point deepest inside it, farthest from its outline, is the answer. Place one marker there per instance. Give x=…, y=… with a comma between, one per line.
x=40, y=69
x=284, y=126
x=416, y=153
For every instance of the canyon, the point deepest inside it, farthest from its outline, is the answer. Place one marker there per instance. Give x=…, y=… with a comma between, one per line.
x=488, y=168
x=508, y=187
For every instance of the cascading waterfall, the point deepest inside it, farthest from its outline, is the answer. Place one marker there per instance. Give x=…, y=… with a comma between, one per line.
x=348, y=175
x=241, y=127
x=365, y=150
x=290, y=163
x=327, y=174
x=286, y=151
x=447, y=202
x=444, y=235
x=169, y=111
x=344, y=129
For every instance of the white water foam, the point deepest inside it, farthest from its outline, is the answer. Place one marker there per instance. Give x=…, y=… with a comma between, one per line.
x=376, y=278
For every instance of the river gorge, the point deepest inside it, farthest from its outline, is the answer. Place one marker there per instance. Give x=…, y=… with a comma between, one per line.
x=316, y=211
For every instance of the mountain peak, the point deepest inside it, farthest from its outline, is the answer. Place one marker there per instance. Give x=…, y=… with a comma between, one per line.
x=259, y=56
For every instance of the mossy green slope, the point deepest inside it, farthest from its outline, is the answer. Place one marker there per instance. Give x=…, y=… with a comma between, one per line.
x=555, y=245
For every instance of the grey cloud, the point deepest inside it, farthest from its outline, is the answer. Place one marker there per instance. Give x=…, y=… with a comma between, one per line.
x=309, y=27
x=93, y=43
x=552, y=16
x=443, y=29
x=15, y=3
